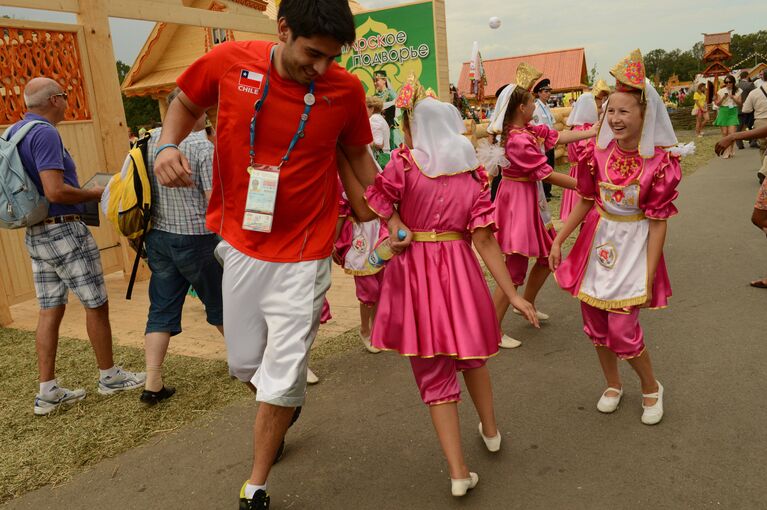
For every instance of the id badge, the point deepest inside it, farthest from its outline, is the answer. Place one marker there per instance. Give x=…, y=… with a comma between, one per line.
x=262, y=197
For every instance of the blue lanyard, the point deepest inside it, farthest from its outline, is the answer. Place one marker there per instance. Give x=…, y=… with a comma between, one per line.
x=309, y=100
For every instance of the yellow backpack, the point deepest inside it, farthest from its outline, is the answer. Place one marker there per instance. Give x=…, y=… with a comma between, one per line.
x=127, y=201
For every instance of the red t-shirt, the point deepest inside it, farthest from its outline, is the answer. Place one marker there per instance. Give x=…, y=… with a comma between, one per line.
x=233, y=75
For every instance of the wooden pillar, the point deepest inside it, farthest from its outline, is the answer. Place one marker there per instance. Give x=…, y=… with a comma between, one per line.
x=5, y=308
x=94, y=18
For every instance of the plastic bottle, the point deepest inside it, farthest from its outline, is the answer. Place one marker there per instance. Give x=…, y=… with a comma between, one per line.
x=382, y=253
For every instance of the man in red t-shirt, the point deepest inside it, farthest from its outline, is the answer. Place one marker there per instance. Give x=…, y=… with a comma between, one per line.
x=274, y=199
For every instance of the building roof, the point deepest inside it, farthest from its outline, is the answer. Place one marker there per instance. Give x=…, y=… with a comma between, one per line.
x=718, y=38
x=170, y=48
x=565, y=68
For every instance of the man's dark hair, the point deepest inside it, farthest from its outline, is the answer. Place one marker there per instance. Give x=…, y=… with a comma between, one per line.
x=308, y=18
x=744, y=75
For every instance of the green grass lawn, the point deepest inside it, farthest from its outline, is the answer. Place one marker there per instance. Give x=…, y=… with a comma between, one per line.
x=42, y=450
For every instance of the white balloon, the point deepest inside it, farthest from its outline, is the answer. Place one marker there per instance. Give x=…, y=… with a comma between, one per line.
x=494, y=22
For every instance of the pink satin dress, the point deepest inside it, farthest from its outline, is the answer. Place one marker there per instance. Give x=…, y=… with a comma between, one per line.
x=521, y=213
x=607, y=266
x=434, y=298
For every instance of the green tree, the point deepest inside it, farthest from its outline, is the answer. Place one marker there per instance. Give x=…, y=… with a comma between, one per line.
x=139, y=111
x=744, y=46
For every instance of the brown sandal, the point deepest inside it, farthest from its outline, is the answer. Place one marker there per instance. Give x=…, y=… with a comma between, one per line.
x=759, y=284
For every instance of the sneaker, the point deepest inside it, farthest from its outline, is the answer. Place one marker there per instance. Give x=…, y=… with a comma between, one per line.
x=154, y=397
x=58, y=397
x=121, y=381
x=260, y=499
x=311, y=377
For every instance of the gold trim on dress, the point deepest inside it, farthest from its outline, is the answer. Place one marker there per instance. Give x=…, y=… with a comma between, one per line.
x=454, y=355
x=376, y=212
x=437, y=237
x=609, y=304
x=518, y=179
x=362, y=272
x=623, y=219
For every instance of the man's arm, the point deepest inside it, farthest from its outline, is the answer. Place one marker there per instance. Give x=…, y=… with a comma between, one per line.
x=59, y=192
x=171, y=167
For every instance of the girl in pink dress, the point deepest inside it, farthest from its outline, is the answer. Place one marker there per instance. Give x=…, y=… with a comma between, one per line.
x=355, y=241
x=435, y=306
x=584, y=115
x=525, y=228
x=627, y=185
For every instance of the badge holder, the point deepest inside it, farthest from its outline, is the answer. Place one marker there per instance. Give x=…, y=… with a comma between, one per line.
x=264, y=180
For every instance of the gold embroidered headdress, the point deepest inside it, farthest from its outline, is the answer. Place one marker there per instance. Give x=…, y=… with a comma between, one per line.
x=599, y=87
x=527, y=76
x=630, y=72
x=411, y=93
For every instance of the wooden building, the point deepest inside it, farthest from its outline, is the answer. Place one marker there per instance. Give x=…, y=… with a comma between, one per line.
x=170, y=48
x=565, y=68
x=716, y=51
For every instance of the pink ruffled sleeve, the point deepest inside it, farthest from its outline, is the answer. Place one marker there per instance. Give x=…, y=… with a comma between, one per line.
x=659, y=204
x=526, y=157
x=382, y=195
x=482, y=214
x=586, y=173
x=546, y=135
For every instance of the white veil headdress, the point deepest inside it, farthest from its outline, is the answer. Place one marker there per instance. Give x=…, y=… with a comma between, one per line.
x=584, y=111
x=439, y=144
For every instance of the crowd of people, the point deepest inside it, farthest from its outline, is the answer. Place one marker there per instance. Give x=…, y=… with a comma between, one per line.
x=307, y=170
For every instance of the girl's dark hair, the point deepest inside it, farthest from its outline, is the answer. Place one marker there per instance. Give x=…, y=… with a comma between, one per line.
x=307, y=18
x=519, y=97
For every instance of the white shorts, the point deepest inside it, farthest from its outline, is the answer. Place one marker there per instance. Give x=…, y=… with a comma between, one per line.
x=271, y=317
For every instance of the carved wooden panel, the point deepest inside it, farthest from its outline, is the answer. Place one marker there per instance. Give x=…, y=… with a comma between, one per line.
x=29, y=53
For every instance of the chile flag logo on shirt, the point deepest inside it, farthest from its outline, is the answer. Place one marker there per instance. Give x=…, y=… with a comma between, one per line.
x=250, y=81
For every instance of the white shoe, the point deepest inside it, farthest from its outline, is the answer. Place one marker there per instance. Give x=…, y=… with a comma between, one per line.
x=653, y=414
x=509, y=343
x=541, y=316
x=609, y=404
x=493, y=444
x=311, y=377
x=461, y=486
x=368, y=345
x=57, y=398
x=121, y=381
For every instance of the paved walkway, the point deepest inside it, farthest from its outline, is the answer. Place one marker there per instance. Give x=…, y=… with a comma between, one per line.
x=365, y=440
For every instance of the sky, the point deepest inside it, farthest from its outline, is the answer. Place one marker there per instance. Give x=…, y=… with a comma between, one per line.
x=608, y=32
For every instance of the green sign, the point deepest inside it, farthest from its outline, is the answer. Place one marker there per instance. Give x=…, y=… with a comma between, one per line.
x=399, y=41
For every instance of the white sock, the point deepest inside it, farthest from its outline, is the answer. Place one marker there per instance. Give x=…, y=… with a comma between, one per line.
x=47, y=387
x=250, y=490
x=109, y=372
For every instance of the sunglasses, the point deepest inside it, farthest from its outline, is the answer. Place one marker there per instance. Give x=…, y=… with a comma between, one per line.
x=61, y=94
x=727, y=82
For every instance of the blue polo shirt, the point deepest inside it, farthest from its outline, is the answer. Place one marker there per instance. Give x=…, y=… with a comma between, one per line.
x=42, y=150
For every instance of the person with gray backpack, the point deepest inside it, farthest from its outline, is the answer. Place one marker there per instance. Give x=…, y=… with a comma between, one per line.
x=64, y=254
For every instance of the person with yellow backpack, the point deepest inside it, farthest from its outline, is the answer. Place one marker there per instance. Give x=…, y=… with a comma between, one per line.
x=170, y=222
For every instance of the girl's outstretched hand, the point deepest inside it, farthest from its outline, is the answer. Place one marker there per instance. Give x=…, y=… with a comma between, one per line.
x=527, y=309
x=555, y=256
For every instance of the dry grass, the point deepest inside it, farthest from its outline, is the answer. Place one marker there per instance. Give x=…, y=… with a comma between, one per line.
x=42, y=450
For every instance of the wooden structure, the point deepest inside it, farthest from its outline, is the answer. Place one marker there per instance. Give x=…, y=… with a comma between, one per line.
x=171, y=48
x=565, y=68
x=716, y=51
x=81, y=58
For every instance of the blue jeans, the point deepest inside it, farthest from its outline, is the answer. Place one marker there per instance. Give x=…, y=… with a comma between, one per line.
x=178, y=262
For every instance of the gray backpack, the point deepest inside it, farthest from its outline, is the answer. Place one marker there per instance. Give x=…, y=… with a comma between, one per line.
x=20, y=203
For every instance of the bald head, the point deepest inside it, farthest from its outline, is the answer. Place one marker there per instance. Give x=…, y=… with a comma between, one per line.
x=38, y=91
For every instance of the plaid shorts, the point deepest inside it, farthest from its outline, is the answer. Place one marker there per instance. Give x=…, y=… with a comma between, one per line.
x=65, y=257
